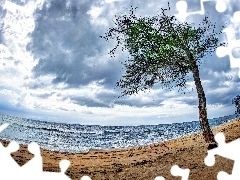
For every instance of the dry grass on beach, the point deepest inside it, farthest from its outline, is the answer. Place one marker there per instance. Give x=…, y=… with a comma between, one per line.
x=143, y=163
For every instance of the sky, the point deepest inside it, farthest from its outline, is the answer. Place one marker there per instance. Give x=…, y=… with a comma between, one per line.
x=55, y=67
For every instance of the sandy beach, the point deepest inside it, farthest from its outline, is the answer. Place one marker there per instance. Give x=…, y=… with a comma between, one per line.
x=141, y=163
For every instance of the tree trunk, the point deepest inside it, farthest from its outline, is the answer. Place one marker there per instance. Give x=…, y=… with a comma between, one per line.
x=206, y=130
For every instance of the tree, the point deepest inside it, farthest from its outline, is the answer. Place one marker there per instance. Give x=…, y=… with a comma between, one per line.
x=236, y=101
x=163, y=50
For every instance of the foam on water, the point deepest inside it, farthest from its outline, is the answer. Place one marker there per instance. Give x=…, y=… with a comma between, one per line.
x=81, y=138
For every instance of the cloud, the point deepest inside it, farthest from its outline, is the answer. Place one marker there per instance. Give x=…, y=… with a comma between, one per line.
x=56, y=66
x=67, y=46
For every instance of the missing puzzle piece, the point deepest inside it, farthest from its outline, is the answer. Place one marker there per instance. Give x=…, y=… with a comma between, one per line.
x=8, y=164
x=64, y=164
x=233, y=44
x=227, y=150
x=159, y=178
x=88, y=178
x=233, y=48
x=182, y=7
x=177, y=171
x=33, y=169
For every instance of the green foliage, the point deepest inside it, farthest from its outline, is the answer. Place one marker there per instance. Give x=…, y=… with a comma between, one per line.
x=162, y=49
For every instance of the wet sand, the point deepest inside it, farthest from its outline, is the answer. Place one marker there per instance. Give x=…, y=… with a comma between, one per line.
x=141, y=163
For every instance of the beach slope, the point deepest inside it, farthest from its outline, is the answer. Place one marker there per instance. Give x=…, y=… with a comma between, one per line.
x=141, y=163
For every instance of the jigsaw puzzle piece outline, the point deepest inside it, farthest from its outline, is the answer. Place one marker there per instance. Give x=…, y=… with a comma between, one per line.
x=227, y=150
x=157, y=178
x=222, y=51
x=64, y=165
x=5, y=156
x=35, y=165
x=177, y=171
x=88, y=178
x=182, y=6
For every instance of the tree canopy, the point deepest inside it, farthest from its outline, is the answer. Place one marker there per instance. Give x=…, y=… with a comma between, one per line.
x=162, y=49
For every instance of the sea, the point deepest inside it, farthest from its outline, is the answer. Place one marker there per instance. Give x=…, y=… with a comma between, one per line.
x=75, y=138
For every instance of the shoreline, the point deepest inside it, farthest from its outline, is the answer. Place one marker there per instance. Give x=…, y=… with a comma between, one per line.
x=145, y=162
x=136, y=137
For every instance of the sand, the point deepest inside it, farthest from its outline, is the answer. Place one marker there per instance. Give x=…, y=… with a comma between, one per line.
x=140, y=163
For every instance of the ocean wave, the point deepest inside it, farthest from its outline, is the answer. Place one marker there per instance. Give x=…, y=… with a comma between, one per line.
x=82, y=138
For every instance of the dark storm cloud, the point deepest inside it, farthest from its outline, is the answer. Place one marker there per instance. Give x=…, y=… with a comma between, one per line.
x=69, y=47
x=89, y=102
x=151, y=99
x=188, y=98
x=103, y=98
x=108, y=97
x=35, y=84
x=138, y=102
x=65, y=42
x=218, y=90
x=45, y=95
x=224, y=98
x=215, y=64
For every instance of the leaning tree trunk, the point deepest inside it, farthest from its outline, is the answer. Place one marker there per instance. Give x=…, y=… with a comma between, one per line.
x=206, y=130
